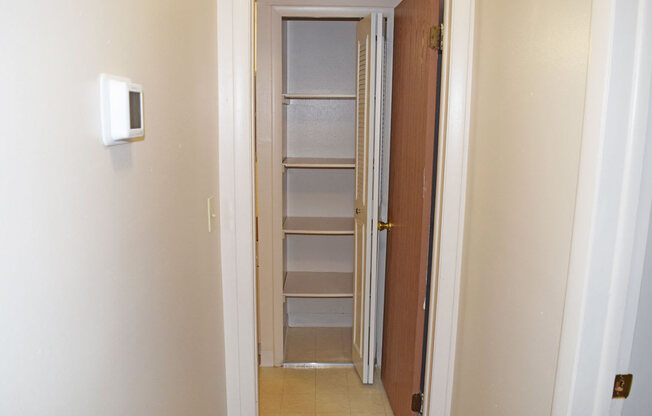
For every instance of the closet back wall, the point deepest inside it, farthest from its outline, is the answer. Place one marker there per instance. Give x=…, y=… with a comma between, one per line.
x=319, y=58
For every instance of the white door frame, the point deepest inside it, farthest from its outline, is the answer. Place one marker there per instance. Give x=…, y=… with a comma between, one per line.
x=270, y=154
x=612, y=191
x=450, y=202
x=236, y=195
x=579, y=339
x=235, y=44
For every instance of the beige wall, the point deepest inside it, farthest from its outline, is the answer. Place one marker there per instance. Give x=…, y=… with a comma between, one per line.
x=110, y=293
x=527, y=107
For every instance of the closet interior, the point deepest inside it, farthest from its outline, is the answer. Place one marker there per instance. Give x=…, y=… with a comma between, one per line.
x=318, y=185
x=322, y=134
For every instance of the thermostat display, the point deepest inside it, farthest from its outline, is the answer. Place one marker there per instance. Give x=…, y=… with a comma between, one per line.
x=122, y=110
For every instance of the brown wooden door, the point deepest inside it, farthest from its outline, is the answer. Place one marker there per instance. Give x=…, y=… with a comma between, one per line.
x=414, y=106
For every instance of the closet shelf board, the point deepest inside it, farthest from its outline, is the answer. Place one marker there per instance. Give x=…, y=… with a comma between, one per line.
x=319, y=163
x=319, y=96
x=318, y=285
x=318, y=225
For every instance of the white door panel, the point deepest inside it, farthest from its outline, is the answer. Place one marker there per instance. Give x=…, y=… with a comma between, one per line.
x=370, y=45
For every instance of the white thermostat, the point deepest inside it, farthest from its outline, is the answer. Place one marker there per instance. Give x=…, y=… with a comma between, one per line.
x=122, y=110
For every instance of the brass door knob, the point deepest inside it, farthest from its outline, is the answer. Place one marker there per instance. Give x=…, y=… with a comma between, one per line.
x=385, y=225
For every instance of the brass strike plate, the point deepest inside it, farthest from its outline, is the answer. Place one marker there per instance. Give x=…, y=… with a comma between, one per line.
x=622, y=386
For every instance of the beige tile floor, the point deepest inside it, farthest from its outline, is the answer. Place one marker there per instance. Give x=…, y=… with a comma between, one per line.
x=319, y=392
x=318, y=345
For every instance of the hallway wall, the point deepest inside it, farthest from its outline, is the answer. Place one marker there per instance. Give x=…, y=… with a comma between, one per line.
x=529, y=82
x=110, y=291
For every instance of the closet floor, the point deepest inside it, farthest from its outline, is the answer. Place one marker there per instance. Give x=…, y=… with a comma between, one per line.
x=319, y=392
x=318, y=345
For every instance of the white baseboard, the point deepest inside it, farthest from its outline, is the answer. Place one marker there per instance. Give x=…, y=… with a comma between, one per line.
x=267, y=358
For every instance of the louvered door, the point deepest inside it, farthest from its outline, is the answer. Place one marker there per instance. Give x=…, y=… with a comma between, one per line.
x=370, y=44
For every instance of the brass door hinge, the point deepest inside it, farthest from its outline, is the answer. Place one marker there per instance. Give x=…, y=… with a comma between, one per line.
x=622, y=386
x=417, y=402
x=437, y=37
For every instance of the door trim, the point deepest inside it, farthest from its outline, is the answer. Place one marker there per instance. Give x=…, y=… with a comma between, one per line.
x=235, y=72
x=236, y=202
x=450, y=202
x=598, y=323
x=269, y=149
x=236, y=171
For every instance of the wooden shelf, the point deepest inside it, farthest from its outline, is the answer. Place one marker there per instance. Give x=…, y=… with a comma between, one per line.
x=319, y=163
x=319, y=96
x=318, y=225
x=318, y=285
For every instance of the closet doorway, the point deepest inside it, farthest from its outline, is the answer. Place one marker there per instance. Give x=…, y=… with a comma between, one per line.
x=337, y=204
x=323, y=114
